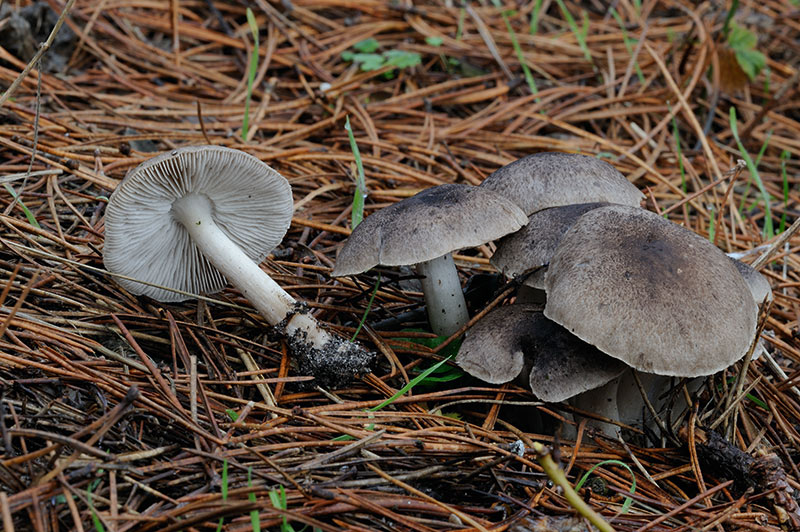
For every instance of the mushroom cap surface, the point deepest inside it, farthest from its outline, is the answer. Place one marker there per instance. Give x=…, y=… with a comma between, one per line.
x=518, y=338
x=430, y=224
x=533, y=245
x=251, y=203
x=756, y=282
x=650, y=293
x=552, y=179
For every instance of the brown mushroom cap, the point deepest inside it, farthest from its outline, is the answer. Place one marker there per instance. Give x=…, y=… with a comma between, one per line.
x=756, y=282
x=430, y=224
x=533, y=245
x=518, y=339
x=552, y=179
x=650, y=293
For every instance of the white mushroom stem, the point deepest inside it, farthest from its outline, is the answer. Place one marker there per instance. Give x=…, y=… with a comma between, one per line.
x=194, y=212
x=603, y=402
x=447, y=309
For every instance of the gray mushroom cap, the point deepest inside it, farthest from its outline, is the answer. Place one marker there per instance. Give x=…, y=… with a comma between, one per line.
x=650, y=293
x=252, y=204
x=756, y=282
x=519, y=339
x=552, y=179
x=533, y=245
x=430, y=224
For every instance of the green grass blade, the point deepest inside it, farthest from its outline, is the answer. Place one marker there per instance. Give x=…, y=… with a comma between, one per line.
x=416, y=380
x=628, y=501
x=535, y=14
x=754, y=175
x=711, y=224
x=357, y=213
x=366, y=310
x=580, y=35
x=785, y=156
x=28, y=214
x=98, y=525
x=518, y=50
x=677, y=136
x=224, y=490
x=628, y=44
x=255, y=522
x=251, y=74
x=726, y=27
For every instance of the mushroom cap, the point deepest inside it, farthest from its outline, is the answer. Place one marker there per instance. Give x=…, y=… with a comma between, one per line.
x=552, y=179
x=533, y=245
x=650, y=293
x=251, y=202
x=518, y=339
x=756, y=282
x=430, y=224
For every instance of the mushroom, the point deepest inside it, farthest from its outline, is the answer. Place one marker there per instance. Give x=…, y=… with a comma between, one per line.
x=424, y=230
x=756, y=282
x=191, y=218
x=650, y=293
x=519, y=341
x=553, y=179
x=532, y=246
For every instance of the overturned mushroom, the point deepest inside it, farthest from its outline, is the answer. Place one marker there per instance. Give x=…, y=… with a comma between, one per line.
x=191, y=218
x=423, y=230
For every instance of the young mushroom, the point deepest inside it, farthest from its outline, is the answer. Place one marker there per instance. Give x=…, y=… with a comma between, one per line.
x=531, y=248
x=193, y=217
x=424, y=230
x=756, y=282
x=518, y=341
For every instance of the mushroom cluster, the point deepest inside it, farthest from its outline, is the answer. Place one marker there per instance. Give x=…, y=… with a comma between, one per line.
x=189, y=220
x=624, y=287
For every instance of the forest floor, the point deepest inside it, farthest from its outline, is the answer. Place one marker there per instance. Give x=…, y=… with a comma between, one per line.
x=120, y=413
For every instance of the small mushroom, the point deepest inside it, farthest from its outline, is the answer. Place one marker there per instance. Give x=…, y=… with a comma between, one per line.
x=191, y=218
x=533, y=246
x=519, y=341
x=756, y=282
x=553, y=179
x=424, y=230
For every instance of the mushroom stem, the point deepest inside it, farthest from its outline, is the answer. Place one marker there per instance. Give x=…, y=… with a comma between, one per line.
x=195, y=213
x=447, y=309
x=603, y=402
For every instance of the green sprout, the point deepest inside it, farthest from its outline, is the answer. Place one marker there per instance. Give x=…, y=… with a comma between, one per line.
x=357, y=213
x=367, y=57
x=251, y=74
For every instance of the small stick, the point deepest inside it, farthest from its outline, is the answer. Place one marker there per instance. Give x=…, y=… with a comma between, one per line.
x=560, y=479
